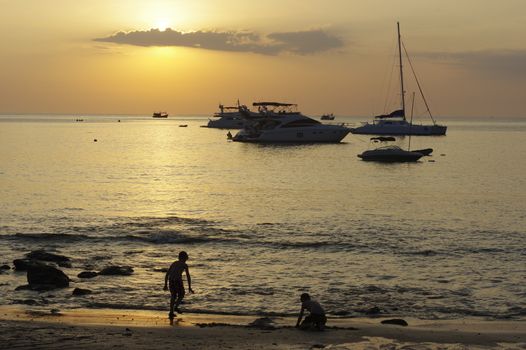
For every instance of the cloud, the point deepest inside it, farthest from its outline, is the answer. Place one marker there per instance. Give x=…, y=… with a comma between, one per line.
x=509, y=63
x=301, y=42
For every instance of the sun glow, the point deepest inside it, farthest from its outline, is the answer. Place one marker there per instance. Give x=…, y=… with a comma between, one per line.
x=162, y=24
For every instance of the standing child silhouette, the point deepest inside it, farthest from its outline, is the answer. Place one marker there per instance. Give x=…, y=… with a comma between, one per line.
x=175, y=277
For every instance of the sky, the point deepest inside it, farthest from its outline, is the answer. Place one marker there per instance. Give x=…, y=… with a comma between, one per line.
x=330, y=56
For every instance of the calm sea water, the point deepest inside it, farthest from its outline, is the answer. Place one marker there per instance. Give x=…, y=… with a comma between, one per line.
x=442, y=238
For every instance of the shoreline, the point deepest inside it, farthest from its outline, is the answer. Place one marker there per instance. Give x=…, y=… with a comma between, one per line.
x=26, y=328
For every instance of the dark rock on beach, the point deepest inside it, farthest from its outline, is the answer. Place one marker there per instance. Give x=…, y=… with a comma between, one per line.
x=263, y=323
x=5, y=267
x=36, y=257
x=80, y=291
x=44, y=277
x=87, y=274
x=395, y=321
x=24, y=264
x=375, y=310
x=46, y=256
x=117, y=270
x=23, y=287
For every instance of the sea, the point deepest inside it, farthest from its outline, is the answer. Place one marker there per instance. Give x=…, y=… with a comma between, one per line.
x=443, y=238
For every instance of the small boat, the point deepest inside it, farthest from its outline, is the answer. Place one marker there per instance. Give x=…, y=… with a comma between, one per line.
x=327, y=117
x=395, y=123
x=390, y=154
x=160, y=115
x=183, y=125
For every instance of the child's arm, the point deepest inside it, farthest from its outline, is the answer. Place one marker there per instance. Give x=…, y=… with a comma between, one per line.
x=300, y=316
x=189, y=279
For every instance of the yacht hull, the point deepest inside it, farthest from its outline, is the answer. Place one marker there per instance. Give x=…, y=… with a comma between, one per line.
x=323, y=134
x=224, y=123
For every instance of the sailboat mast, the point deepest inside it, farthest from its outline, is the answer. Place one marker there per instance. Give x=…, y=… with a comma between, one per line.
x=401, y=69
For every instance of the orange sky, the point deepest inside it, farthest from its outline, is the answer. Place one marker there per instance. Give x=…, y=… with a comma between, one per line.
x=58, y=56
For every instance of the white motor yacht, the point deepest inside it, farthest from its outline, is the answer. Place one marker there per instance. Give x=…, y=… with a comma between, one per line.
x=281, y=123
x=227, y=118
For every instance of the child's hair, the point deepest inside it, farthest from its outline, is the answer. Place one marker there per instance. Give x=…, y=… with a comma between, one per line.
x=305, y=296
x=183, y=255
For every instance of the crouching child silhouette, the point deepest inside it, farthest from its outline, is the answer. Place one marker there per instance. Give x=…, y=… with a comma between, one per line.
x=175, y=277
x=316, y=319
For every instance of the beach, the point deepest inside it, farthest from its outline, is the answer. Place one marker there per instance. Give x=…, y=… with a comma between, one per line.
x=108, y=329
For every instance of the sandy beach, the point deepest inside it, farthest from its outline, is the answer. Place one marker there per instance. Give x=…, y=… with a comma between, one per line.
x=109, y=329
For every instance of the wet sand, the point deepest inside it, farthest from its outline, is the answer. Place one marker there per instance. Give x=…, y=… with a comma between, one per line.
x=130, y=329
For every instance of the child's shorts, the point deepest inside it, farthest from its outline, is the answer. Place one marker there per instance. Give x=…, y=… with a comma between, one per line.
x=177, y=288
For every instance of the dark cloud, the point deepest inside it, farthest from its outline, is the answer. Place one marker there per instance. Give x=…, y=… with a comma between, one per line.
x=302, y=42
x=494, y=62
x=307, y=42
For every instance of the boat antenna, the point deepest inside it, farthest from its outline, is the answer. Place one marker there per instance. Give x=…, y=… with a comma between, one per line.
x=401, y=69
x=418, y=84
x=411, y=121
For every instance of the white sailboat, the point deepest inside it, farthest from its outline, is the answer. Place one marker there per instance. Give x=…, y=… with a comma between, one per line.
x=395, y=123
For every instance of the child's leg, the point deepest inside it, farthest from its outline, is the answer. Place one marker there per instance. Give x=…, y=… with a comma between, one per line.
x=179, y=299
x=171, y=314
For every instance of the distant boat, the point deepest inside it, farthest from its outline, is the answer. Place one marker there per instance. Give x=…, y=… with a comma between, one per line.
x=390, y=154
x=228, y=117
x=327, y=117
x=395, y=123
x=160, y=115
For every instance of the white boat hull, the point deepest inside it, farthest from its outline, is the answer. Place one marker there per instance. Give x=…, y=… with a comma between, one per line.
x=226, y=123
x=314, y=134
x=399, y=128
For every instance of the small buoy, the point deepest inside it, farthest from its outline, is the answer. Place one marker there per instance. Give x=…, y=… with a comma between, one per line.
x=94, y=140
x=119, y=120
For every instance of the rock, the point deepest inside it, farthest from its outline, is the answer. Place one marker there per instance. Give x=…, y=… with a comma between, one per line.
x=117, y=270
x=65, y=264
x=395, y=321
x=263, y=323
x=373, y=311
x=5, y=267
x=44, y=277
x=162, y=269
x=23, y=287
x=80, y=291
x=45, y=256
x=24, y=264
x=87, y=274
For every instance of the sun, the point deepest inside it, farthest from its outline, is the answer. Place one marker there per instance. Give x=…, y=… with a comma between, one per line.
x=162, y=24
